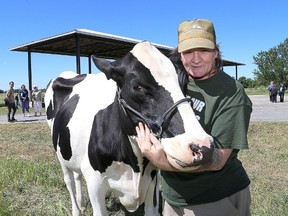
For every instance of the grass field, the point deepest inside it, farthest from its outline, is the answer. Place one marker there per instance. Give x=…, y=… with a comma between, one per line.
x=31, y=180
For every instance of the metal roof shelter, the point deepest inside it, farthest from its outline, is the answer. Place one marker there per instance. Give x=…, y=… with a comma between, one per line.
x=84, y=43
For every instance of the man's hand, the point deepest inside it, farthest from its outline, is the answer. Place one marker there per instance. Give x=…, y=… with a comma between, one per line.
x=151, y=148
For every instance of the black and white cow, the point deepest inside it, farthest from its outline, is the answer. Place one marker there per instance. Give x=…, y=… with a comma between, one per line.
x=93, y=118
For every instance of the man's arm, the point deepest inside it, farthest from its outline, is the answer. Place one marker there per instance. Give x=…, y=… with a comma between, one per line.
x=152, y=149
x=220, y=157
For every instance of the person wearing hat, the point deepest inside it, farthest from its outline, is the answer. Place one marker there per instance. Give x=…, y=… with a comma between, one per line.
x=222, y=186
x=37, y=100
x=10, y=102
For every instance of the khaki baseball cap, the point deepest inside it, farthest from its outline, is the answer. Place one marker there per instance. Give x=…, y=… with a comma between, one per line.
x=196, y=33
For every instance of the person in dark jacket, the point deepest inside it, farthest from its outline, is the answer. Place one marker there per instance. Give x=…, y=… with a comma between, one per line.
x=281, y=92
x=24, y=100
x=9, y=96
x=273, y=93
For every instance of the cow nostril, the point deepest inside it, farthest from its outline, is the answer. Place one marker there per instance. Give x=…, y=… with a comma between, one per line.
x=212, y=145
x=196, y=150
x=194, y=147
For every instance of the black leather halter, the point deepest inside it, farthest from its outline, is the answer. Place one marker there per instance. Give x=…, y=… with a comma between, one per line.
x=154, y=125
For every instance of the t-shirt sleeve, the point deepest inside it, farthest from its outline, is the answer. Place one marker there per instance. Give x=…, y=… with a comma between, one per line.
x=231, y=125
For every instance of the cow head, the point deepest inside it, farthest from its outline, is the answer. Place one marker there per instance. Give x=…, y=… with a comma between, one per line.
x=149, y=92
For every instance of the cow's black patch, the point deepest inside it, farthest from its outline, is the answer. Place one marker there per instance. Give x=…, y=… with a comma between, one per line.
x=108, y=142
x=155, y=201
x=145, y=163
x=61, y=133
x=49, y=111
x=62, y=89
x=64, y=143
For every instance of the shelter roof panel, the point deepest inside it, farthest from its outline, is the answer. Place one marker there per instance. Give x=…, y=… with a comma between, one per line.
x=90, y=42
x=103, y=45
x=84, y=43
x=227, y=62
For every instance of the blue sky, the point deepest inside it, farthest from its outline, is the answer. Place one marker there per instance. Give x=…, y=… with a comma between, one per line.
x=243, y=29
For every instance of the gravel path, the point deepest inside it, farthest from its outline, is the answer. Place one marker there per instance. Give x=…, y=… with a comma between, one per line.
x=21, y=119
x=265, y=111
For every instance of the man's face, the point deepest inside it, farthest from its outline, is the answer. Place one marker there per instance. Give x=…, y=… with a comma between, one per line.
x=199, y=62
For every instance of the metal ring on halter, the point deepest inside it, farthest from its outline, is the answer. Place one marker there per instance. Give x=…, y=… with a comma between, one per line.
x=156, y=133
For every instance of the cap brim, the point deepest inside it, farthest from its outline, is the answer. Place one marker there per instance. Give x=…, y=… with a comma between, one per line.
x=193, y=43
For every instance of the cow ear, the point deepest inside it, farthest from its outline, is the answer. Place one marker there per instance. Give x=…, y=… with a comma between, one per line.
x=103, y=65
x=111, y=69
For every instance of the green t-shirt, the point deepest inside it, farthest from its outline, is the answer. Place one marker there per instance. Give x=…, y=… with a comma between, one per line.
x=223, y=109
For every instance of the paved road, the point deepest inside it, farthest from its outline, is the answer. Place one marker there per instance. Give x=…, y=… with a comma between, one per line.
x=263, y=111
x=20, y=119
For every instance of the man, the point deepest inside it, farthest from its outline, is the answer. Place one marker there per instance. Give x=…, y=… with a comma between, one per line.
x=11, y=102
x=281, y=92
x=269, y=89
x=221, y=187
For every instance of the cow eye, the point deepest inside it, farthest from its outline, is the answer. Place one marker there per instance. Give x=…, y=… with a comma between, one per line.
x=141, y=90
x=138, y=88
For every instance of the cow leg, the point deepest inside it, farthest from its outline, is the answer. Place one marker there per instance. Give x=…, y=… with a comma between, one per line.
x=79, y=192
x=97, y=191
x=70, y=184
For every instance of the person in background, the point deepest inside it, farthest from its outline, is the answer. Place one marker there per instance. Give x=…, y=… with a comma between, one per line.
x=269, y=89
x=222, y=186
x=273, y=93
x=281, y=92
x=37, y=100
x=11, y=102
x=24, y=100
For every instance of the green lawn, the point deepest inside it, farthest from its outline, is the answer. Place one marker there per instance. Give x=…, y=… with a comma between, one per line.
x=31, y=180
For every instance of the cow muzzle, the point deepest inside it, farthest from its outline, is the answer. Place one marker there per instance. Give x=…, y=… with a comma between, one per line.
x=202, y=155
x=189, y=159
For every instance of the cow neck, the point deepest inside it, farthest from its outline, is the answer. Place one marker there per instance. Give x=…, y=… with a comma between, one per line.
x=155, y=126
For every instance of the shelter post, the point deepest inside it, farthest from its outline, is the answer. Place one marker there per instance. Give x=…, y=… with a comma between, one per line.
x=89, y=65
x=29, y=69
x=78, y=67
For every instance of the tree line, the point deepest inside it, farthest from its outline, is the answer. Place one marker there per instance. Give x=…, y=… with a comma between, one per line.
x=272, y=65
